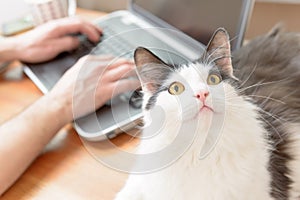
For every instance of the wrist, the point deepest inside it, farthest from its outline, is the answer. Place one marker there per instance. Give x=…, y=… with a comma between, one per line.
x=59, y=108
x=9, y=49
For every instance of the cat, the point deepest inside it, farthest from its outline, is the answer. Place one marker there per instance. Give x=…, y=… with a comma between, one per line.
x=231, y=123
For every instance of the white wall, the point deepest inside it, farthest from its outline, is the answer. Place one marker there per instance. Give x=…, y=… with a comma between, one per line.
x=279, y=1
x=12, y=9
x=103, y=5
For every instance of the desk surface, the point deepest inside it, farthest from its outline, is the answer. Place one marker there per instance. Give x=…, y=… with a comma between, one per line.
x=65, y=170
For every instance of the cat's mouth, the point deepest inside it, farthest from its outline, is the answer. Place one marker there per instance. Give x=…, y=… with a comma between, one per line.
x=202, y=110
x=205, y=108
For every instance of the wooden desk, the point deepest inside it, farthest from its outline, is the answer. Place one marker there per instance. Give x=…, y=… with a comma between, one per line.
x=65, y=170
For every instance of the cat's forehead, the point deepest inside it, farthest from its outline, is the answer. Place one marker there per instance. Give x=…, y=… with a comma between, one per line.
x=193, y=72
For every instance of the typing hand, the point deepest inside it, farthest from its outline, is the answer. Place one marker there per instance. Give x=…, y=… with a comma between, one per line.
x=48, y=40
x=91, y=82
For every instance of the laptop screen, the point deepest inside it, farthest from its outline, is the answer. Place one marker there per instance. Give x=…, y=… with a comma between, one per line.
x=199, y=19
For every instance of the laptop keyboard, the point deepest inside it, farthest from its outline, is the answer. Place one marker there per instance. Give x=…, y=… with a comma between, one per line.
x=109, y=45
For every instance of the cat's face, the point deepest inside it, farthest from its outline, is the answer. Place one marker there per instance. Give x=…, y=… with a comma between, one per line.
x=196, y=91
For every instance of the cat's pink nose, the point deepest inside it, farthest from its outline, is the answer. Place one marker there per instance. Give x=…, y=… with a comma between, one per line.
x=202, y=95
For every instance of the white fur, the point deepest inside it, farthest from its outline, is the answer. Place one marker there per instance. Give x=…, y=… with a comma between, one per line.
x=236, y=168
x=294, y=164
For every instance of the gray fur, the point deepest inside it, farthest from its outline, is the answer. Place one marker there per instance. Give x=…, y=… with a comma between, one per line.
x=151, y=70
x=269, y=71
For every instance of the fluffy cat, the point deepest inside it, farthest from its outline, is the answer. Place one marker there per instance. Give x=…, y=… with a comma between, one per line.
x=230, y=123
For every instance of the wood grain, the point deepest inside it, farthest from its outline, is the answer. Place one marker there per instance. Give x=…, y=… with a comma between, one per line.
x=65, y=170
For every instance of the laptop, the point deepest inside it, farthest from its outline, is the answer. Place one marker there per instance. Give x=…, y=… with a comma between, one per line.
x=176, y=30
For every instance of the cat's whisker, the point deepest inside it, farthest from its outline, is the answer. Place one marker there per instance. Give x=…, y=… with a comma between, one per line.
x=217, y=58
x=235, y=109
x=233, y=38
x=259, y=96
x=232, y=106
x=245, y=81
x=207, y=60
x=171, y=59
x=261, y=110
x=265, y=102
x=230, y=97
x=268, y=147
x=268, y=132
x=210, y=62
x=271, y=115
x=289, y=94
x=260, y=84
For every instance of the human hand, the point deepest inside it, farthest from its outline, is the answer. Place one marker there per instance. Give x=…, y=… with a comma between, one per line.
x=48, y=40
x=91, y=82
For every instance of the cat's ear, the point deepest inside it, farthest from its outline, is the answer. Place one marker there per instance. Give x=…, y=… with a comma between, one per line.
x=152, y=71
x=218, y=51
x=276, y=30
x=143, y=56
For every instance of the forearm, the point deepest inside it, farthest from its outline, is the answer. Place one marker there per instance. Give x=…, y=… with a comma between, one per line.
x=24, y=137
x=8, y=49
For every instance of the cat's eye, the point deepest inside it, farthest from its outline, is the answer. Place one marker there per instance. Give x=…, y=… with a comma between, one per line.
x=213, y=79
x=176, y=88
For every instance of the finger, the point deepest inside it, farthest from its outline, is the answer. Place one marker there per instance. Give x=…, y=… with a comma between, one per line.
x=66, y=43
x=130, y=74
x=101, y=58
x=119, y=61
x=112, y=61
x=91, y=31
x=73, y=25
x=123, y=71
x=124, y=85
x=110, y=68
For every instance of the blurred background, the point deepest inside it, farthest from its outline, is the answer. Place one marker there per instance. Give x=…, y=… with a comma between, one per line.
x=103, y=5
x=12, y=9
x=266, y=13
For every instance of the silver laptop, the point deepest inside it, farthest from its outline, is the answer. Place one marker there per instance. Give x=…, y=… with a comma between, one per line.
x=176, y=30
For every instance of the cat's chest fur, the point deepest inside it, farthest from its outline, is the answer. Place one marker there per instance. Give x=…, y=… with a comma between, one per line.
x=235, y=167
x=256, y=153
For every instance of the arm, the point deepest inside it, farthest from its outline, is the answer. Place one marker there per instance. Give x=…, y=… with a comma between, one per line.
x=23, y=138
x=7, y=50
x=47, y=41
